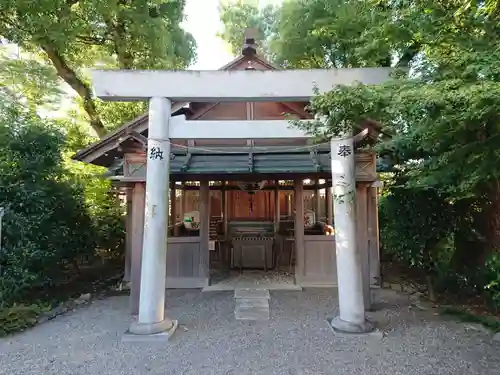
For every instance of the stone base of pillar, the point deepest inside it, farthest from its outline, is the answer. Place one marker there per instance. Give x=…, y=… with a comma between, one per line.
x=342, y=326
x=125, y=285
x=162, y=331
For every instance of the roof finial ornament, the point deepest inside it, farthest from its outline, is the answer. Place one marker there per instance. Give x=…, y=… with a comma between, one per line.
x=250, y=45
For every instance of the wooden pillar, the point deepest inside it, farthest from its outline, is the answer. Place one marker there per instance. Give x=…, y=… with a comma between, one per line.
x=362, y=234
x=278, y=239
x=182, y=207
x=289, y=204
x=210, y=196
x=373, y=237
x=317, y=201
x=137, y=232
x=173, y=209
x=299, y=227
x=204, y=226
x=269, y=206
x=329, y=203
x=225, y=248
x=224, y=209
x=128, y=237
x=221, y=194
x=276, y=207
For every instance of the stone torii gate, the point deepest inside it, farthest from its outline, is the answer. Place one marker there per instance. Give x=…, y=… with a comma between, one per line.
x=163, y=87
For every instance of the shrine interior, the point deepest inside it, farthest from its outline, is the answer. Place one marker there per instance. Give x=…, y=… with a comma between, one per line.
x=252, y=225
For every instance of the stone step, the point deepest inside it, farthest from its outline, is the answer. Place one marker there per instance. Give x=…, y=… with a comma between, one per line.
x=252, y=294
x=252, y=309
x=251, y=304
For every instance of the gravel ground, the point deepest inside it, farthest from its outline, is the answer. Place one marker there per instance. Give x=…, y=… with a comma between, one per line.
x=295, y=341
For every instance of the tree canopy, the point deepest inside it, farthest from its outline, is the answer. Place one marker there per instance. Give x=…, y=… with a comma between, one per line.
x=315, y=33
x=443, y=116
x=74, y=35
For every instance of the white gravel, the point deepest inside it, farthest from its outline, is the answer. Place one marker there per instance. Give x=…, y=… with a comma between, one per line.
x=295, y=341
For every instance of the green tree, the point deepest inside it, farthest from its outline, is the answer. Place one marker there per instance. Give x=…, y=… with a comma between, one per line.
x=444, y=117
x=27, y=81
x=238, y=15
x=323, y=33
x=330, y=34
x=58, y=212
x=74, y=35
x=46, y=223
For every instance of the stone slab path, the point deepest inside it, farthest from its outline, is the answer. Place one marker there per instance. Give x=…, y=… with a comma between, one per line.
x=251, y=304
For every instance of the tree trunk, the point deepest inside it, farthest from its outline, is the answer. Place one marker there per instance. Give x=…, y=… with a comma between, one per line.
x=83, y=90
x=430, y=288
x=468, y=252
x=492, y=219
x=408, y=55
x=430, y=255
x=469, y=247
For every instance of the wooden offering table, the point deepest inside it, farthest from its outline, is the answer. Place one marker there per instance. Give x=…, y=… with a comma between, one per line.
x=250, y=251
x=252, y=245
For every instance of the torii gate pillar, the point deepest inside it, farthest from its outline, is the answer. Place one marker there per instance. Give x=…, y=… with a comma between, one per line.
x=151, y=319
x=351, y=317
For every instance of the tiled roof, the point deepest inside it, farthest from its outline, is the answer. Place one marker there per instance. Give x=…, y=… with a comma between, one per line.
x=277, y=160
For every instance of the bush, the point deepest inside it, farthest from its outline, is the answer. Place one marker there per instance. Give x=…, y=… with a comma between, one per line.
x=50, y=224
x=18, y=317
x=414, y=223
x=492, y=280
x=422, y=230
x=105, y=209
x=46, y=225
x=415, y=226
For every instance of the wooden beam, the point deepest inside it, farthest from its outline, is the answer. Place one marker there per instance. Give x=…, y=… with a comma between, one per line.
x=203, y=110
x=138, y=137
x=298, y=109
x=361, y=135
x=244, y=177
x=236, y=188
